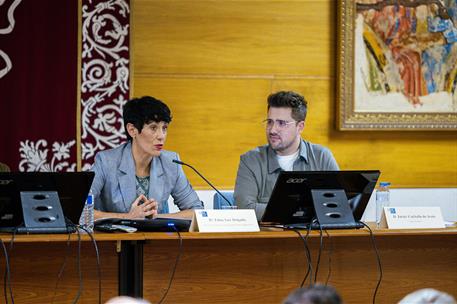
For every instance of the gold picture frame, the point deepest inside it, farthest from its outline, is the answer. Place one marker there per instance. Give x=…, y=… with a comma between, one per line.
x=357, y=105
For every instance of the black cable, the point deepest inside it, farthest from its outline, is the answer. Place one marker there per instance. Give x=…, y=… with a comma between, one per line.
x=330, y=251
x=62, y=268
x=307, y=253
x=174, y=268
x=78, y=294
x=321, y=244
x=311, y=264
x=99, y=272
x=379, y=261
x=7, y=272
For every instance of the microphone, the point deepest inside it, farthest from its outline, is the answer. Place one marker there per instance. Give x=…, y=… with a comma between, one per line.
x=207, y=181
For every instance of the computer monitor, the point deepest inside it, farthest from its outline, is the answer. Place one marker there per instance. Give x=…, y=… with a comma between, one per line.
x=337, y=199
x=42, y=202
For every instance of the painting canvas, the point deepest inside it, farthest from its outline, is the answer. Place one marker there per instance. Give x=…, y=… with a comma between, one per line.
x=398, y=64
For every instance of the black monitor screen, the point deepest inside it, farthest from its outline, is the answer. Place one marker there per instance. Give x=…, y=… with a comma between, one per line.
x=72, y=189
x=291, y=200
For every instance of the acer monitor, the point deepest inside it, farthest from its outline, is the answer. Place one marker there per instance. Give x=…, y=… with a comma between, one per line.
x=42, y=202
x=322, y=199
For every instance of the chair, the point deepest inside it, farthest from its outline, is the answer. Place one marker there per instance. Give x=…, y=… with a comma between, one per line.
x=4, y=168
x=219, y=202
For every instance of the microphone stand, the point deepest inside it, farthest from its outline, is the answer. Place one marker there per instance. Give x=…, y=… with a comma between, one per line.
x=207, y=181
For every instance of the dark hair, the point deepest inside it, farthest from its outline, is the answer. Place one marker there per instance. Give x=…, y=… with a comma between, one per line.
x=316, y=294
x=289, y=99
x=144, y=110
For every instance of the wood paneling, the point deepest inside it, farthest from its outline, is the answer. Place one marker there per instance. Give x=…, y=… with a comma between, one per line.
x=265, y=267
x=215, y=62
x=233, y=37
x=35, y=272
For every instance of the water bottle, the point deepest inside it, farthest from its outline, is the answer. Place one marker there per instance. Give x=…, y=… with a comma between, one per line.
x=87, y=217
x=382, y=200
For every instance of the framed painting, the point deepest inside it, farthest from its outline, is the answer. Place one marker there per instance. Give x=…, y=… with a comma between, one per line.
x=397, y=67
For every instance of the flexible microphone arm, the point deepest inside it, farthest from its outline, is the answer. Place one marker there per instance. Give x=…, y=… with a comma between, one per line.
x=207, y=181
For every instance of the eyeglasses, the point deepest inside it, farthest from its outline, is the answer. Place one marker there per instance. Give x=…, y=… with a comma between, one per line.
x=280, y=124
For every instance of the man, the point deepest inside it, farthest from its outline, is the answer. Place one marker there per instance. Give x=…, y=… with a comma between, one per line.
x=260, y=167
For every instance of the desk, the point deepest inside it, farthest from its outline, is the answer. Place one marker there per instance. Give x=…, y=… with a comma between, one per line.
x=37, y=259
x=264, y=267
x=237, y=267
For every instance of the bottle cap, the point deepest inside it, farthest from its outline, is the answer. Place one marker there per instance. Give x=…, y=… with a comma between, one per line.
x=90, y=199
x=384, y=184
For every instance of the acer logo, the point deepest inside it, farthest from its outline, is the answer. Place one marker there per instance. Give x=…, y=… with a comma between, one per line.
x=295, y=180
x=5, y=181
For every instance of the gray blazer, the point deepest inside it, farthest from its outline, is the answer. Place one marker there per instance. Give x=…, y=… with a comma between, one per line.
x=114, y=187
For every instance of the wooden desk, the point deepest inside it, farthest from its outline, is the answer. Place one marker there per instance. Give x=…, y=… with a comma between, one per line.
x=37, y=259
x=264, y=267
x=235, y=267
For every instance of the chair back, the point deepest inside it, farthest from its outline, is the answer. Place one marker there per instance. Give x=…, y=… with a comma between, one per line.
x=219, y=201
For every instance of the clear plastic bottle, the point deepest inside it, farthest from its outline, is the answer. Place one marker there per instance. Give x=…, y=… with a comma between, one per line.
x=87, y=216
x=382, y=200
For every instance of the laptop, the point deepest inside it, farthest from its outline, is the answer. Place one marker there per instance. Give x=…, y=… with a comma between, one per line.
x=320, y=199
x=146, y=225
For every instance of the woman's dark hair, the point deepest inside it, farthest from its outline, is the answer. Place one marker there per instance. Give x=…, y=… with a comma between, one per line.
x=144, y=110
x=289, y=99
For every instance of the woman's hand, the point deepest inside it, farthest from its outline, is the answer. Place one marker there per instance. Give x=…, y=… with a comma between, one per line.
x=143, y=207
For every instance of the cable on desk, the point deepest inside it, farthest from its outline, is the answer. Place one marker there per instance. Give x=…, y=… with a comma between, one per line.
x=378, y=259
x=330, y=251
x=321, y=245
x=78, y=262
x=62, y=268
x=7, y=274
x=99, y=272
x=7, y=277
x=310, y=261
x=175, y=266
x=309, y=271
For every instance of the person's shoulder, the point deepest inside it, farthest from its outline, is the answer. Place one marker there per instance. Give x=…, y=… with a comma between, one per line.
x=256, y=153
x=166, y=159
x=316, y=148
x=168, y=155
x=111, y=156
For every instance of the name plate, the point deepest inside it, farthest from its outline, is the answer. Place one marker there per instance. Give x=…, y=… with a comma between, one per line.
x=225, y=220
x=413, y=217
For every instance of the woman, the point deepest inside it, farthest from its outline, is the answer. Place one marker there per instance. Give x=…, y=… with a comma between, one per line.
x=135, y=179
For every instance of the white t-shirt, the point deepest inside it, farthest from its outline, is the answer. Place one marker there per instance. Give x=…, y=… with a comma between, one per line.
x=287, y=162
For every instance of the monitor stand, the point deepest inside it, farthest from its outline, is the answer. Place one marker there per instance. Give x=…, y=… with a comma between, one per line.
x=42, y=213
x=332, y=211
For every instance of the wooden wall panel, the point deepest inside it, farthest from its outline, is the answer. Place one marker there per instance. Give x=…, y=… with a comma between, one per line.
x=233, y=37
x=215, y=62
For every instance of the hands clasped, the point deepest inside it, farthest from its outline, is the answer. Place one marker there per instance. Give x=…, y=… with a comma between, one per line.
x=143, y=207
